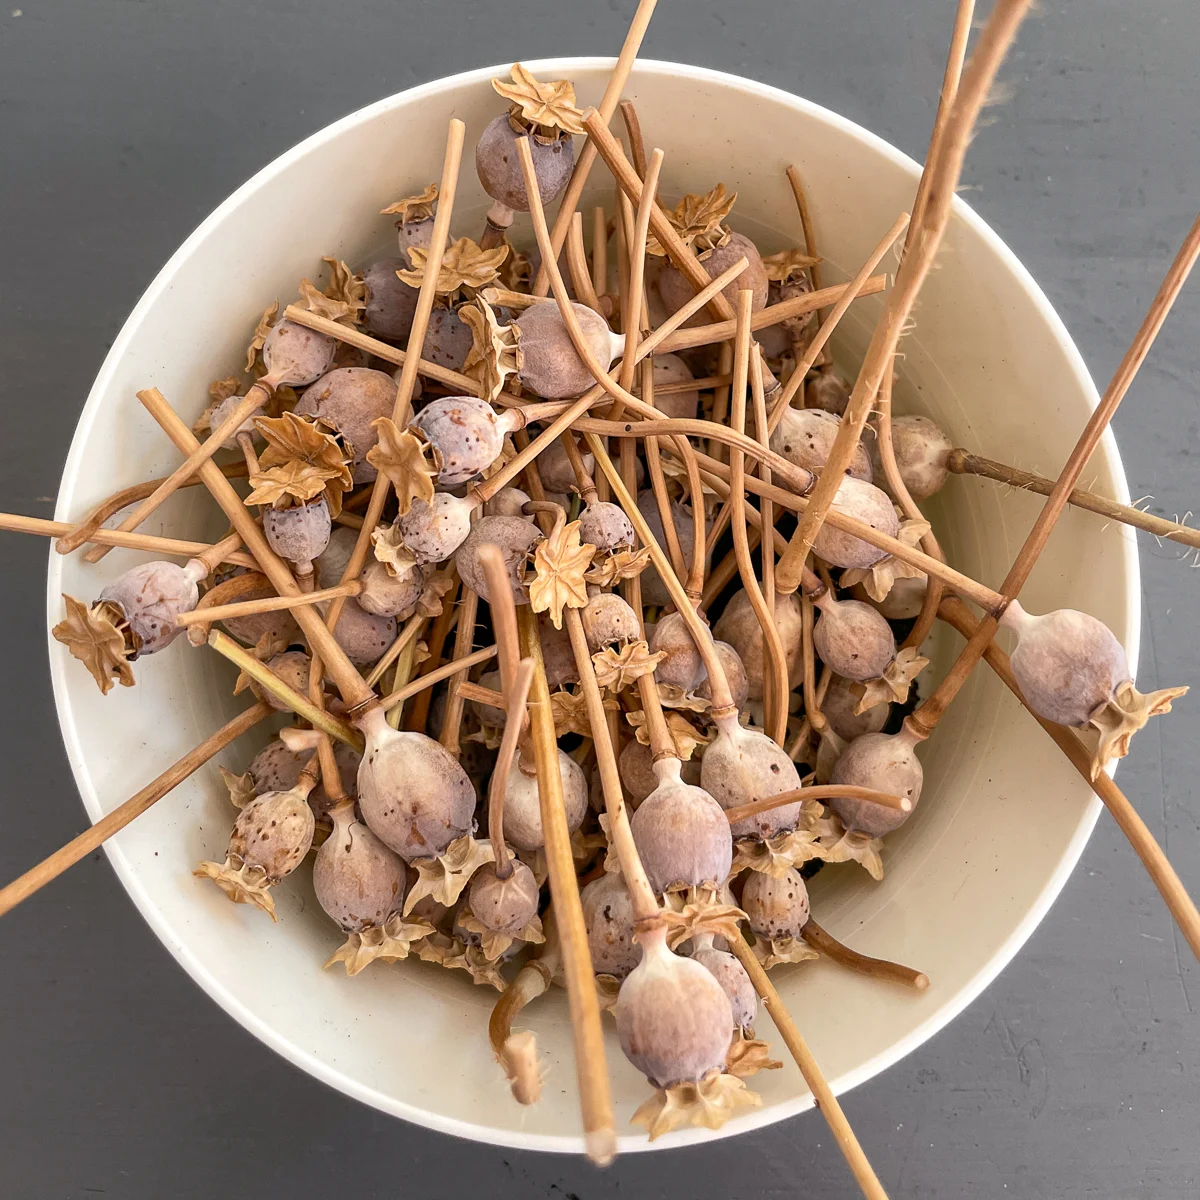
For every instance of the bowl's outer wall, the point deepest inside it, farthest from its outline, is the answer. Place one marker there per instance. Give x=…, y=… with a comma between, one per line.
x=1003, y=818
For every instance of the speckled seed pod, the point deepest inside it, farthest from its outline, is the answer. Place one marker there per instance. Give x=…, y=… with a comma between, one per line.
x=388, y=595
x=223, y=412
x=295, y=355
x=608, y=915
x=609, y=621
x=359, y=882
x=449, y=339
x=391, y=303
x=275, y=768
x=743, y=765
x=606, y=527
x=298, y=534
x=522, y=808
x=676, y=291
x=865, y=502
x=777, y=908
x=151, y=596
x=903, y=601
x=550, y=367
x=734, y=981
x=273, y=833
x=557, y=654
x=504, y=905
x=292, y=667
x=683, y=666
x=348, y=400
x=674, y=1020
x=331, y=563
x=507, y=502
x=828, y=391
x=804, y=436
x=435, y=530
x=498, y=164
x=886, y=762
x=515, y=538
x=654, y=591
x=853, y=639
x=681, y=834
x=736, y=676
x=281, y=625
x=670, y=368
x=921, y=453
x=412, y=791
x=363, y=635
x=739, y=627
x=465, y=435
x=839, y=705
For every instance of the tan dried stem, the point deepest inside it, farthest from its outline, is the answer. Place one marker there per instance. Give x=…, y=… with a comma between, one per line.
x=464, y=641
x=246, y=608
x=422, y=684
x=819, y=791
x=514, y=704
x=873, y=968
x=419, y=714
x=599, y=251
x=577, y=265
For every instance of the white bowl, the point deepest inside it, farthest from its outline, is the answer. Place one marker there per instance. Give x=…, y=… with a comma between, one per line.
x=1003, y=819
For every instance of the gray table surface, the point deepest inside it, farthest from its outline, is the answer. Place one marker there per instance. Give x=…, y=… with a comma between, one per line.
x=122, y=123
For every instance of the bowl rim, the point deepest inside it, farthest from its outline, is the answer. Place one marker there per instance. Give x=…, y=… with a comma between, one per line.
x=754, y=1119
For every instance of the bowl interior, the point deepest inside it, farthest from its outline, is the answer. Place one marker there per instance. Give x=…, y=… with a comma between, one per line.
x=1003, y=818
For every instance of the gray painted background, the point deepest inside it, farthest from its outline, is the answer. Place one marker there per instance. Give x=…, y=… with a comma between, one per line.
x=122, y=123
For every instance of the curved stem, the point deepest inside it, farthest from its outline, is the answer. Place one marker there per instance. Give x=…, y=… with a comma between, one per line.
x=514, y=703
x=577, y=265
x=812, y=702
x=504, y=613
x=875, y=968
x=821, y=791
x=599, y=251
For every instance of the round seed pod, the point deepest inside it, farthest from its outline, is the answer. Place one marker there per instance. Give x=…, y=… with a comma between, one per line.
x=359, y=882
x=636, y=767
x=223, y=412
x=550, y=367
x=522, y=808
x=670, y=368
x=606, y=527
x=504, y=905
x=391, y=303
x=515, y=538
x=903, y=601
x=743, y=765
x=865, y=502
x=886, y=762
x=777, y=908
x=412, y=792
x=281, y=625
x=734, y=981
x=449, y=339
x=557, y=654
x=465, y=435
x=922, y=450
x=556, y=471
x=608, y=915
x=735, y=676
x=853, y=639
x=348, y=400
x=151, y=596
x=681, y=834
x=331, y=563
x=434, y=530
x=295, y=355
x=673, y=1018
x=839, y=705
x=364, y=636
x=498, y=164
x=827, y=390
x=410, y=233
x=507, y=502
x=683, y=666
x=273, y=832
x=654, y=591
x=388, y=595
x=292, y=667
x=275, y=768
x=676, y=291
x=804, y=436
x=298, y=534
x=608, y=620
x=740, y=628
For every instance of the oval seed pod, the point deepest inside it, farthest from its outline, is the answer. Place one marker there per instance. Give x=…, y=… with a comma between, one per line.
x=776, y=908
x=523, y=810
x=852, y=638
x=359, y=882
x=364, y=636
x=804, y=436
x=298, y=534
x=608, y=915
x=839, y=704
x=683, y=667
x=348, y=400
x=734, y=981
x=886, y=762
x=391, y=303
x=636, y=767
x=827, y=390
x=515, y=538
x=295, y=355
x=449, y=339
x=507, y=502
x=504, y=905
x=434, y=530
x=739, y=627
x=922, y=450
x=676, y=291
x=902, y=603
x=681, y=834
x=292, y=667
x=223, y=412
x=606, y=527
x=865, y=502
x=550, y=366
x=735, y=676
x=673, y=1018
x=654, y=591
x=743, y=765
x=412, y=792
x=332, y=562
x=556, y=471
x=608, y=620
x=466, y=435
x=668, y=369
x=498, y=164
x=388, y=595
x=150, y=597
x=559, y=658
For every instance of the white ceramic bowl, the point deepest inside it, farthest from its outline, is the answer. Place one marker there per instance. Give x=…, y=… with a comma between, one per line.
x=1003, y=818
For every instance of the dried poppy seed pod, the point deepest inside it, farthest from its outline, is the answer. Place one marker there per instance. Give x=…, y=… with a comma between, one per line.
x=498, y=166
x=298, y=534
x=921, y=450
x=608, y=915
x=556, y=471
x=223, y=412
x=804, y=436
x=743, y=765
x=359, y=882
x=391, y=303
x=669, y=369
x=504, y=905
x=734, y=981
x=559, y=658
x=606, y=527
x=332, y=561
x=466, y=435
x=681, y=834
x=852, y=638
x=674, y=1020
x=348, y=400
x=388, y=595
x=776, y=908
x=654, y=591
x=150, y=597
x=683, y=667
x=636, y=767
x=434, y=530
x=608, y=620
x=276, y=767
x=412, y=792
x=523, y=809
x=735, y=676
x=886, y=762
x=865, y=502
x=902, y=603
x=449, y=338
x=838, y=707
x=549, y=364
x=515, y=538
x=295, y=355
x=507, y=502
x=292, y=667
x=828, y=391
x=676, y=290
x=364, y=636
x=739, y=627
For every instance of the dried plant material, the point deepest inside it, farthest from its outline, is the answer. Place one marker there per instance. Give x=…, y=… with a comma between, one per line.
x=670, y=695
x=268, y=645
x=709, y=1103
x=788, y=264
x=570, y=713
x=414, y=208
x=433, y=597
x=218, y=392
x=560, y=561
x=472, y=960
x=701, y=912
x=405, y=458
x=494, y=945
x=464, y=265
x=773, y=951
x=1125, y=712
x=438, y=948
x=618, y=669
x=325, y=306
x=97, y=637
x=241, y=787
x=517, y=272
x=685, y=736
x=445, y=876
x=506, y=455
x=790, y=848
x=388, y=547
x=283, y=487
x=294, y=443
x=495, y=352
x=545, y=106
x=583, y=850
x=283, y=399
x=343, y=300
x=390, y=942
x=698, y=220
x=265, y=323
x=608, y=569
x=241, y=882
x=835, y=844
x=894, y=683
x=608, y=988
x=674, y=469
x=879, y=579
x=747, y=1056
x=522, y=1069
